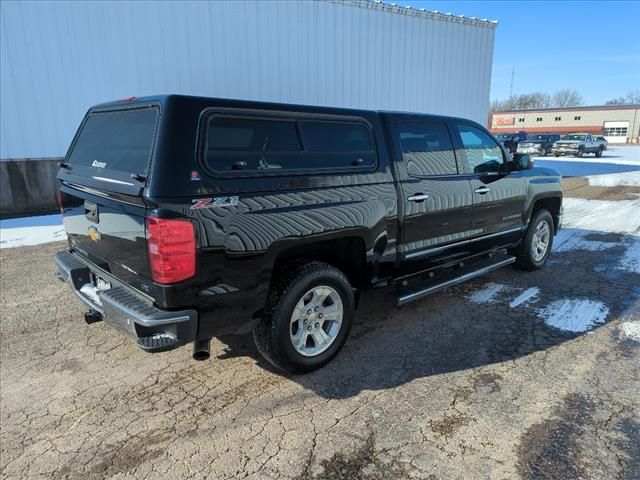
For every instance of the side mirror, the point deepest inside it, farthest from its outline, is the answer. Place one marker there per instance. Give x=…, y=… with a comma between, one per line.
x=521, y=162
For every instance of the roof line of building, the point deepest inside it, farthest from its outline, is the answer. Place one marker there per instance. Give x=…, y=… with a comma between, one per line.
x=380, y=6
x=560, y=109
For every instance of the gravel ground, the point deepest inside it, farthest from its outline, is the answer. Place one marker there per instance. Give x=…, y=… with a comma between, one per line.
x=474, y=382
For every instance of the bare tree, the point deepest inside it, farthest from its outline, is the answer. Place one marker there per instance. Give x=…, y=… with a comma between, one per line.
x=631, y=98
x=567, y=98
x=525, y=101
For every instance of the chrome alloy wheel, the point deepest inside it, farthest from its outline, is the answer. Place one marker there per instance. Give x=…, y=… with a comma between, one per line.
x=540, y=241
x=316, y=321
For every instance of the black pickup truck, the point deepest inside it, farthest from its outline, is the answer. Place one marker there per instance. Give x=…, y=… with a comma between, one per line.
x=190, y=218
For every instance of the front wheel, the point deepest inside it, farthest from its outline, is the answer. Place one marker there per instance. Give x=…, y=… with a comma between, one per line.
x=538, y=241
x=307, y=317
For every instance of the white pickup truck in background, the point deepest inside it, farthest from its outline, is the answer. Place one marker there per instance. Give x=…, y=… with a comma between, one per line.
x=577, y=144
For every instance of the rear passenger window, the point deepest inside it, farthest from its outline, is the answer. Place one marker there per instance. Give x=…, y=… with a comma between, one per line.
x=483, y=153
x=335, y=137
x=426, y=149
x=253, y=144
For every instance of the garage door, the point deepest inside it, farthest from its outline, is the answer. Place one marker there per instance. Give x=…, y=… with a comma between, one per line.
x=616, y=132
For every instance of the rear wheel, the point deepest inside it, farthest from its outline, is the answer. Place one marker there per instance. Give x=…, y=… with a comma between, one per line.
x=307, y=317
x=538, y=241
x=580, y=152
x=599, y=152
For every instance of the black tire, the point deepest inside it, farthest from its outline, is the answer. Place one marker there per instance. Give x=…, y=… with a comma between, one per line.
x=272, y=335
x=556, y=154
x=599, y=152
x=524, y=255
x=580, y=152
x=543, y=152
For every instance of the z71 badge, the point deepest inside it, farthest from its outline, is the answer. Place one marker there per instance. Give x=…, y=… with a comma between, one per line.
x=214, y=202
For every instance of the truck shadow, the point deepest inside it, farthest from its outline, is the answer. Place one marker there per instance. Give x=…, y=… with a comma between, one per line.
x=467, y=327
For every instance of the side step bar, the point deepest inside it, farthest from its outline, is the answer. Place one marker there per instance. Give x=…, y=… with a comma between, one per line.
x=406, y=294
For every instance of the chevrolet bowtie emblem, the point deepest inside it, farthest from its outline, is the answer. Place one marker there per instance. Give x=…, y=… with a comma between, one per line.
x=94, y=234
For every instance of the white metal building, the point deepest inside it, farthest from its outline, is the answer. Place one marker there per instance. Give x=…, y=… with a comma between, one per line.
x=617, y=123
x=60, y=57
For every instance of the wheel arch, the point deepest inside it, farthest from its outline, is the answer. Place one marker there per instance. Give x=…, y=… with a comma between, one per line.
x=348, y=253
x=552, y=203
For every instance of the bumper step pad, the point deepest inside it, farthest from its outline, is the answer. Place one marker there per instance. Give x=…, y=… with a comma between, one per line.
x=158, y=343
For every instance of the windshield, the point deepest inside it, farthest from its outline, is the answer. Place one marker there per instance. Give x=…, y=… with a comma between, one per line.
x=115, y=144
x=504, y=136
x=574, y=137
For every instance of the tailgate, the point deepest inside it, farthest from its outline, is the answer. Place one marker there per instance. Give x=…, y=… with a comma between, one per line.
x=103, y=177
x=108, y=232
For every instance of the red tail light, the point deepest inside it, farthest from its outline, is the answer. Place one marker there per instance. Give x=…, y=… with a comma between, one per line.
x=172, y=249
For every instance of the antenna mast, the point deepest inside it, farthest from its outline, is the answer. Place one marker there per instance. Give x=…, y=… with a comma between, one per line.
x=513, y=73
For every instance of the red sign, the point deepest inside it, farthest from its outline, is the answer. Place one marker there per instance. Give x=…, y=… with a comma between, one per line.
x=502, y=121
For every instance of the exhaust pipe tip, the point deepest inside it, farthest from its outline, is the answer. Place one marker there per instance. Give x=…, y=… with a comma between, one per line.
x=202, y=349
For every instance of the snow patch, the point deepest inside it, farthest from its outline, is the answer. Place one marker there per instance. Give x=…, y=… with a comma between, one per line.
x=524, y=297
x=630, y=261
x=574, y=315
x=627, y=179
x=614, y=155
x=487, y=294
x=602, y=215
x=24, y=236
x=34, y=221
x=631, y=330
x=19, y=232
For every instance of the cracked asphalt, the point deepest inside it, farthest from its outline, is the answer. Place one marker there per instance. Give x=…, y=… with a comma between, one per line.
x=449, y=387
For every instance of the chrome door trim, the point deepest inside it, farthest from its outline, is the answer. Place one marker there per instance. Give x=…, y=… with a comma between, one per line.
x=463, y=242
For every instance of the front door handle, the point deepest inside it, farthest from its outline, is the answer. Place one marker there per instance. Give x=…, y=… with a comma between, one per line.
x=418, y=197
x=482, y=190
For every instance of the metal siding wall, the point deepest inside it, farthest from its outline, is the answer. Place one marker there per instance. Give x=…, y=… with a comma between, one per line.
x=59, y=58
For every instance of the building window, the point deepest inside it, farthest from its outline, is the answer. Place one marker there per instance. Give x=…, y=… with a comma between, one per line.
x=615, y=132
x=577, y=118
x=558, y=119
x=539, y=119
x=521, y=119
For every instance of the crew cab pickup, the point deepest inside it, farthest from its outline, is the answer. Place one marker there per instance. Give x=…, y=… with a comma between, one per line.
x=538, y=144
x=189, y=218
x=600, y=140
x=577, y=144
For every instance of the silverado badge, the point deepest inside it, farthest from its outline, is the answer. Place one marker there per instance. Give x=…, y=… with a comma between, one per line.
x=94, y=234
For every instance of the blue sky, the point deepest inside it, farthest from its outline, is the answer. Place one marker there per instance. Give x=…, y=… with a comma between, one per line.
x=591, y=47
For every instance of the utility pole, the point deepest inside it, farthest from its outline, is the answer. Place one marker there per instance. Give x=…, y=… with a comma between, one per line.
x=513, y=73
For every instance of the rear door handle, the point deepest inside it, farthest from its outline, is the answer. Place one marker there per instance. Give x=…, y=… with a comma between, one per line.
x=482, y=190
x=418, y=197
